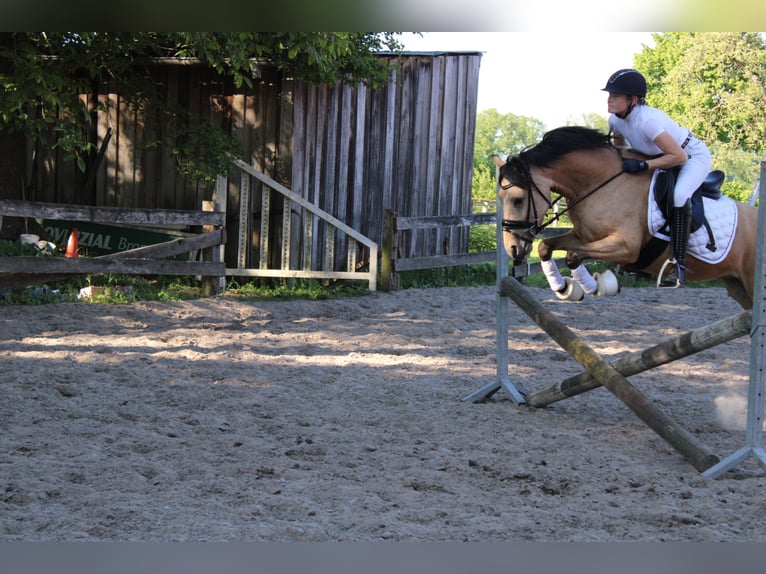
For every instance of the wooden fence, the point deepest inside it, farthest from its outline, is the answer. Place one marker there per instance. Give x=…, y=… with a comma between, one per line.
x=399, y=231
x=309, y=241
x=406, y=146
x=348, y=149
x=19, y=271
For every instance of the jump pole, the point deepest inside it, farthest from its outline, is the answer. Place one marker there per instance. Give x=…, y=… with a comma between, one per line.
x=755, y=401
x=716, y=333
x=695, y=453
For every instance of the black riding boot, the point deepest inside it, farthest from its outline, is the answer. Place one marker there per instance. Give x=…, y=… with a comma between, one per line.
x=680, y=221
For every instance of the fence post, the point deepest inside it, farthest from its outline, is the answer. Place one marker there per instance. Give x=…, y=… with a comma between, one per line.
x=387, y=264
x=212, y=286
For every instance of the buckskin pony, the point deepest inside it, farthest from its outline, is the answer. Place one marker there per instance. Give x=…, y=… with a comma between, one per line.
x=613, y=213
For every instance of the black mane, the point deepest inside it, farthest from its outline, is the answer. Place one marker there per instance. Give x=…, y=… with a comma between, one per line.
x=561, y=141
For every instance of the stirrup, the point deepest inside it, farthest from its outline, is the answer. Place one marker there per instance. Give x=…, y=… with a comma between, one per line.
x=669, y=280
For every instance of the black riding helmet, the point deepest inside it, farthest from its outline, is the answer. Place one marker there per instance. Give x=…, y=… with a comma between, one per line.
x=626, y=81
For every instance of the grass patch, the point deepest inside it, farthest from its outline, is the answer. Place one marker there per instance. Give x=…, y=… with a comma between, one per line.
x=307, y=289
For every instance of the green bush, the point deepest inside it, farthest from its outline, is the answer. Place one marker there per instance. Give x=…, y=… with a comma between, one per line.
x=460, y=276
x=482, y=238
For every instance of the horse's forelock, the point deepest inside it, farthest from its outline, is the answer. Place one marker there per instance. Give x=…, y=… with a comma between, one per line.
x=513, y=172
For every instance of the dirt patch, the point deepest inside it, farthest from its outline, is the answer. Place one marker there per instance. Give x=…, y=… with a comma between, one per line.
x=343, y=420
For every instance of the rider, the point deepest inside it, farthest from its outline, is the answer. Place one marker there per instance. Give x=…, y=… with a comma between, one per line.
x=653, y=133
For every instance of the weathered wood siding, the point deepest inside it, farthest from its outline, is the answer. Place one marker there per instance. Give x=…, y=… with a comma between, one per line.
x=407, y=146
x=350, y=150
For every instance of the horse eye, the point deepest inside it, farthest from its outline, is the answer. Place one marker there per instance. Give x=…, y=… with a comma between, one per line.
x=518, y=202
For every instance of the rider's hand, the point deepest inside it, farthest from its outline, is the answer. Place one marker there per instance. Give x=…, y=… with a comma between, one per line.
x=633, y=165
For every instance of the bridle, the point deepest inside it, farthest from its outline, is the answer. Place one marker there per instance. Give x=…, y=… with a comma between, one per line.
x=515, y=226
x=530, y=232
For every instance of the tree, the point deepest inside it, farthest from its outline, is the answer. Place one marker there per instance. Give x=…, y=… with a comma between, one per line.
x=503, y=135
x=44, y=74
x=590, y=120
x=714, y=84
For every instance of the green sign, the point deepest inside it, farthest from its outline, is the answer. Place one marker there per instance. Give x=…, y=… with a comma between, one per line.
x=98, y=239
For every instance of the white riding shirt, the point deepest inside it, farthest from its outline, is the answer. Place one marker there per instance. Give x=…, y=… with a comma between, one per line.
x=644, y=124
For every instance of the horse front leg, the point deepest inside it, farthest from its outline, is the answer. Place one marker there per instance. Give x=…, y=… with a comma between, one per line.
x=598, y=284
x=612, y=248
x=564, y=288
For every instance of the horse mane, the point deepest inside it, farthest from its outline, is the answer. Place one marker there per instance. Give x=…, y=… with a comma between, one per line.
x=561, y=141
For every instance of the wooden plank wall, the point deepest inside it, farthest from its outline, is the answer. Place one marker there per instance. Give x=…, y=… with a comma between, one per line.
x=407, y=146
x=350, y=150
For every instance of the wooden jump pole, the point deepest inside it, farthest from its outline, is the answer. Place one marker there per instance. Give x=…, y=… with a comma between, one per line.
x=695, y=453
x=716, y=333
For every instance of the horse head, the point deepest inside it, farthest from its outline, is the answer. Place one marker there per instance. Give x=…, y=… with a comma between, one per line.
x=524, y=205
x=570, y=160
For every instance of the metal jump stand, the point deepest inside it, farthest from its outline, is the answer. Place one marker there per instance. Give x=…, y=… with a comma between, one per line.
x=502, y=315
x=754, y=434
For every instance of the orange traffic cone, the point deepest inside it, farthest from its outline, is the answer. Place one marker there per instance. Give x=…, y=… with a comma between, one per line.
x=71, y=244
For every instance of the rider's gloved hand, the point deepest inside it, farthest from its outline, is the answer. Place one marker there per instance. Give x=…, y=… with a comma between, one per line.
x=633, y=165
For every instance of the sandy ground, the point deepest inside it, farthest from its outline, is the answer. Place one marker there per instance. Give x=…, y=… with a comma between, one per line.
x=343, y=420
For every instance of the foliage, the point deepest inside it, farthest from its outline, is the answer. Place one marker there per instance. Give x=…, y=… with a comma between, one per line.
x=502, y=135
x=14, y=248
x=44, y=76
x=738, y=191
x=590, y=120
x=202, y=151
x=321, y=58
x=309, y=289
x=482, y=238
x=460, y=276
x=714, y=84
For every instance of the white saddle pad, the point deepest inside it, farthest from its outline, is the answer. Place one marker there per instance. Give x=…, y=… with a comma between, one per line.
x=722, y=217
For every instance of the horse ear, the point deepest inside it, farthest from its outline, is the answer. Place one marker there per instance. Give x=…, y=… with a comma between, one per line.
x=498, y=162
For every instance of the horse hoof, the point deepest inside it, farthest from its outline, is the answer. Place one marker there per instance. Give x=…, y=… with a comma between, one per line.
x=607, y=284
x=572, y=292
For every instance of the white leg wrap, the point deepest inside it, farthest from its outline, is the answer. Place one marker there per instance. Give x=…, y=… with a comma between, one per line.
x=551, y=270
x=584, y=278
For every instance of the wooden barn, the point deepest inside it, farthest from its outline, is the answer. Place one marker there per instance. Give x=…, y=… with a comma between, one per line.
x=347, y=150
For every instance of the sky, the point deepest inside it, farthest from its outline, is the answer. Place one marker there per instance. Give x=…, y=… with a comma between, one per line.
x=548, y=76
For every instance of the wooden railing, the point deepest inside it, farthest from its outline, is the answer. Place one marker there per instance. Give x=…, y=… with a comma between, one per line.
x=306, y=249
x=312, y=244
x=393, y=262
x=18, y=271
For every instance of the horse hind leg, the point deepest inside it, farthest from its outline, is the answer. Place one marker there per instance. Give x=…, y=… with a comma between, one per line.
x=737, y=291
